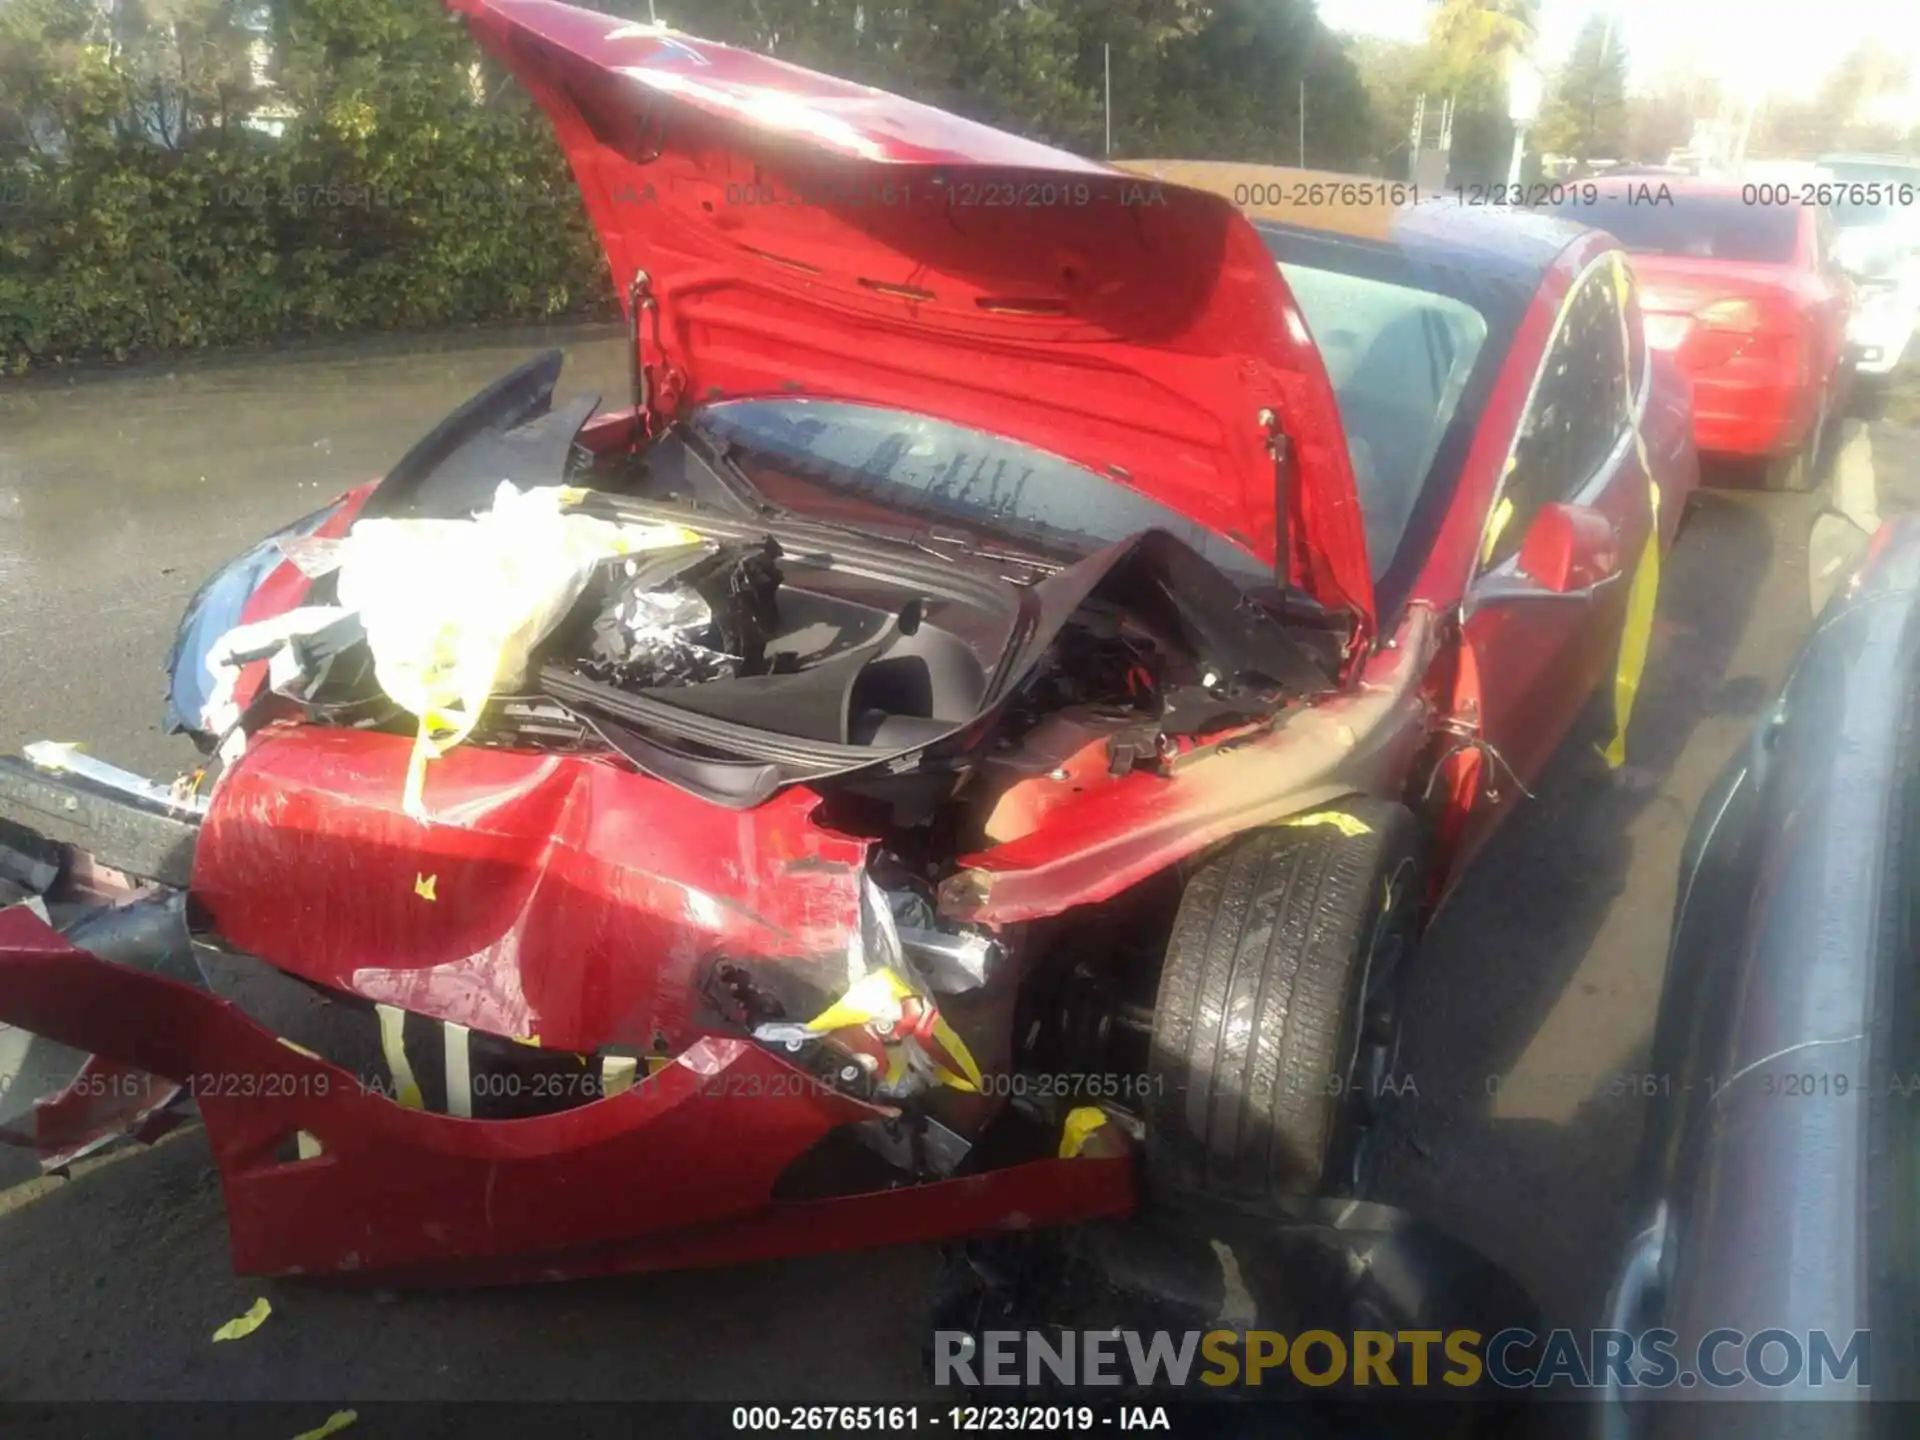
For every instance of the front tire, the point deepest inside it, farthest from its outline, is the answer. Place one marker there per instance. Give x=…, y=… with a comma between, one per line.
x=1277, y=1020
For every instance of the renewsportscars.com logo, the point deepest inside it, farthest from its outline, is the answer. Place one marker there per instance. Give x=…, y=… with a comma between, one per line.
x=1513, y=1359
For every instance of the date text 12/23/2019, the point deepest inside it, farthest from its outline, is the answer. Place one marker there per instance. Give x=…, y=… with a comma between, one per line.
x=961, y=1419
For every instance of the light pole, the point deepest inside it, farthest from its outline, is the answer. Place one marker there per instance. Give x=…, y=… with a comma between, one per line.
x=1523, y=108
x=1106, y=65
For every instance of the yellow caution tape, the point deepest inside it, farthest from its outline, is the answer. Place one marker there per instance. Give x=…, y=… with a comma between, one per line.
x=1081, y=1123
x=336, y=1422
x=1636, y=635
x=440, y=731
x=875, y=996
x=896, y=1064
x=393, y=1042
x=1347, y=825
x=969, y=1078
x=246, y=1324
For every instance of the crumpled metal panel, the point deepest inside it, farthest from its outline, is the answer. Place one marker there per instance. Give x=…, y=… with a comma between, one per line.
x=677, y=1171
x=1364, y=741
x=561, y=897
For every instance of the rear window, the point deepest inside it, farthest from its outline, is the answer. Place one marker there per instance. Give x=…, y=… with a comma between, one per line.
x=1710, y=227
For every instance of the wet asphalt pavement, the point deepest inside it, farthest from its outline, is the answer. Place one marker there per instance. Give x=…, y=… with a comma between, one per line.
x=1534, y=998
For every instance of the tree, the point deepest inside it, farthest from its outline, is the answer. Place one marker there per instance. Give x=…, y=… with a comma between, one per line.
x=1586, y=113
x=1472, y=42
x=1470, y=46
x=1838, y=117
x=1662, y=121
x=1394, y=74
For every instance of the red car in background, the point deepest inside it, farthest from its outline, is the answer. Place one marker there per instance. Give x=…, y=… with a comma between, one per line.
x=1739, y=284
x=1137, y=615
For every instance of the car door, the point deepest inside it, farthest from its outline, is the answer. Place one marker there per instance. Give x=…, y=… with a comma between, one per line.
x=1542, y=616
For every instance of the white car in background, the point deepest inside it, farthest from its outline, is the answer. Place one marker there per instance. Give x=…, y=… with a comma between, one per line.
x=1878, y=220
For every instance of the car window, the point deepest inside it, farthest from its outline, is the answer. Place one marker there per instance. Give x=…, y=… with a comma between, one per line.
x=1636, y=338
x=863, y=456
x=1707, y=227
x=1399, y=359
x=1575, y=417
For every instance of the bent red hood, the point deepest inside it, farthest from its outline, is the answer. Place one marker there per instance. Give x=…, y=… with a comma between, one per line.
x=798, y=234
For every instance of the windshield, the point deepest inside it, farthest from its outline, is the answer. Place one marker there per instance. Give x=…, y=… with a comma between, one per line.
x=1399, y=359
x=1708, y=227
x=877, y=466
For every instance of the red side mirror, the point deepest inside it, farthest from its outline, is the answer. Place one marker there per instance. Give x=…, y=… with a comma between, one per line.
x=1569, y=548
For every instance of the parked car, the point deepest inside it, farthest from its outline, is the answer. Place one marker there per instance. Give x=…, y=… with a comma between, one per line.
x=1876, y=208
x=1090, y=649
x=1779, y=1159
x=1740, y=284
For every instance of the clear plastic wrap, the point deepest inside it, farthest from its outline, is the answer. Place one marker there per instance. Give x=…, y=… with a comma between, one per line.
x=685, y=620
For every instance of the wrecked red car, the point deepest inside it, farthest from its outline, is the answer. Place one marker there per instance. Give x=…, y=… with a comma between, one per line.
x=1076, y=635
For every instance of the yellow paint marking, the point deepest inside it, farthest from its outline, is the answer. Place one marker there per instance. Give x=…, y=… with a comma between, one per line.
x=1348, y=825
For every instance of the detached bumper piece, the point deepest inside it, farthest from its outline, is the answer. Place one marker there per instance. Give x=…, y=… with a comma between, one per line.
x=325, y=1176
x=120, y=819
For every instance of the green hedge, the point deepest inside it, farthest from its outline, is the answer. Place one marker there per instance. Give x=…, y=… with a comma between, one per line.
x=416, y=185
x=397, y=198
x=166, y=252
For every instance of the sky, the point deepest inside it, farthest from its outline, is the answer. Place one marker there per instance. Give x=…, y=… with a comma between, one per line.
x=1780, y=47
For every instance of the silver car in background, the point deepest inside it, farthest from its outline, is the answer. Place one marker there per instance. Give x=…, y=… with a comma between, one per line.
x=1877, y=213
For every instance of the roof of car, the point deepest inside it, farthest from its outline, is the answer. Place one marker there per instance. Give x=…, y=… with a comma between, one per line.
x=1523, y=244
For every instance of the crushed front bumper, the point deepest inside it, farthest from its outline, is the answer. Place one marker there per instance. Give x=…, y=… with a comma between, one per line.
x=324, y=1174
x=678, y=1171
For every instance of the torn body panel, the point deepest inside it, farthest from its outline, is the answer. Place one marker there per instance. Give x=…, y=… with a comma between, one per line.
x=1113, y=835
x=576, y=1193
x=557, y=897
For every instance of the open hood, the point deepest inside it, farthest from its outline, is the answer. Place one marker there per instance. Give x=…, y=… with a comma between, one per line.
x=789, y=233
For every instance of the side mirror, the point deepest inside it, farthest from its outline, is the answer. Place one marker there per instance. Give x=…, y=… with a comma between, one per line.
x=1569, y=549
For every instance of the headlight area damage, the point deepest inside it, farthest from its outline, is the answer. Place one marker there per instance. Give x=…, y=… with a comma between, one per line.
x=712, y=940
x=936, y=743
